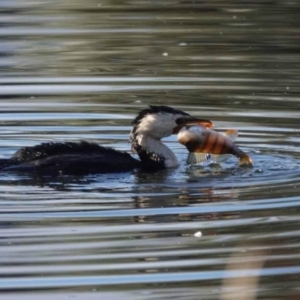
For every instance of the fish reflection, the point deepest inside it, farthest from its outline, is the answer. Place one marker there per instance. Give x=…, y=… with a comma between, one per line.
x=201, y=142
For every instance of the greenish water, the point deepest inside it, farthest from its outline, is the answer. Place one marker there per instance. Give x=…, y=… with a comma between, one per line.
x=72, y=70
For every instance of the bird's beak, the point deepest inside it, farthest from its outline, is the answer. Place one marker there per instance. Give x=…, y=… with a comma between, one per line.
x=191, y=121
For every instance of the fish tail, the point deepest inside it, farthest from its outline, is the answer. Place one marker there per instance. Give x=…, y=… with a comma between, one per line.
x=244, y=159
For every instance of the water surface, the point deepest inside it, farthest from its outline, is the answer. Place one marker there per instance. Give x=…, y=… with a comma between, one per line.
x=73, y=70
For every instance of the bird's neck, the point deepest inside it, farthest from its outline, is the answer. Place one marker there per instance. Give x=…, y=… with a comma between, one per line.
x=153, y=152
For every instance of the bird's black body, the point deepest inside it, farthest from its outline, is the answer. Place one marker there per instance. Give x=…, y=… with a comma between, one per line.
x=80, y=158
x=76, y=158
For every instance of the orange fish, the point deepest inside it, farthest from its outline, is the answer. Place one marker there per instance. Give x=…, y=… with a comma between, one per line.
x=201, y=142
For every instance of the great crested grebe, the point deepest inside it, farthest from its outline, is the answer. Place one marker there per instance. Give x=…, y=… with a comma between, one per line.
x=80, y=158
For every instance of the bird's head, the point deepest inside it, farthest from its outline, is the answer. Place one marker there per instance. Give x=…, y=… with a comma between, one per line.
x=158, y=122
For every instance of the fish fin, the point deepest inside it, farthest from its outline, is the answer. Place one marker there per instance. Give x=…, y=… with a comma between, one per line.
x=197, y=158
x=218, y=158
x=232, y=134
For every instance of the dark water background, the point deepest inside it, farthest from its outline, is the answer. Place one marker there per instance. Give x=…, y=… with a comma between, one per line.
x=74, y=70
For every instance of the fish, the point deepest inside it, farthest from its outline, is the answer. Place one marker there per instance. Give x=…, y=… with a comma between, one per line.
x=202, y=142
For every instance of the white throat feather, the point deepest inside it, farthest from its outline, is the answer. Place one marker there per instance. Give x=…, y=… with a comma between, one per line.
x=153, y=149
x=146, y=139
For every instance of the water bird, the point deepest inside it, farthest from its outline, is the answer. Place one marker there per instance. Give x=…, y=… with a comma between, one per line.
x=202, y=141
x=80, y=158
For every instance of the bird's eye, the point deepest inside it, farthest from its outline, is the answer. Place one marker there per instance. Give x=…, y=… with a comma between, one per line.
x=180, y=121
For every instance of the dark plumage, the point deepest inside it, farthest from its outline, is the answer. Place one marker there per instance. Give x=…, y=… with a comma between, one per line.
x=76, y=158
x=156, y=110
x=56, y=148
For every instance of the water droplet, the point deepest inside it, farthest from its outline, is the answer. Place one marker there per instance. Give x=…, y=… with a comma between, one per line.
x=198, y=234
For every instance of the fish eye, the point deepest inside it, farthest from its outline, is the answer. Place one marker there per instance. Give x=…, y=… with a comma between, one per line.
x=180, y=121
